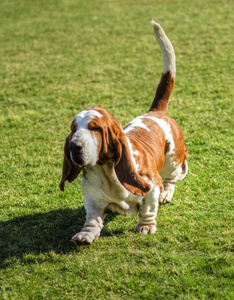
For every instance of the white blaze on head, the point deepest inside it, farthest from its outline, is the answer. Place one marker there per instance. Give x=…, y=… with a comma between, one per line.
x=85, y=116
x=83, y=137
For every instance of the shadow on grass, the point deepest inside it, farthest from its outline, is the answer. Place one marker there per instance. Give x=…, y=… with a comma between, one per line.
x=40, y=233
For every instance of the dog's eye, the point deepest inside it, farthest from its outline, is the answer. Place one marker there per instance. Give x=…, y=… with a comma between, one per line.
x=94, y=128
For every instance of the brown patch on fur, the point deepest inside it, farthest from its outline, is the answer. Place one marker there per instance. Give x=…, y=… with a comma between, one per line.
x=127, y=174
x=150, y=158
x=180, y=152
x=163, y=93
x=167, y=148
x=152, y=145
x=106, y=130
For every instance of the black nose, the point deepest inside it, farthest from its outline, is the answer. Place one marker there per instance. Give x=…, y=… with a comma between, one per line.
x=76, y=153
x=73, y=146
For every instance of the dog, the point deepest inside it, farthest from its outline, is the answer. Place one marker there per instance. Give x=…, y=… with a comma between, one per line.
x=130, y=171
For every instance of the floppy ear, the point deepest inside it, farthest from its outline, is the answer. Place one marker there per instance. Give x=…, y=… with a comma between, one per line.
x=109, y=143
x=115, y=146
x=70, y=170
x=126, y=172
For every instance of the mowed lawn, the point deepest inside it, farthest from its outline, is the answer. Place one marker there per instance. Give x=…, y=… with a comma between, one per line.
x=60, y=57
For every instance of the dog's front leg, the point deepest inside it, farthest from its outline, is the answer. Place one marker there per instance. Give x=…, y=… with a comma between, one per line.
x=93, y=225
x=147, y=213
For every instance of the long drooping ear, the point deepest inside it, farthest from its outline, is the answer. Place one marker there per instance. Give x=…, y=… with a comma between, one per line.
x=126, y=172
x=115, y=146
x=109, y=128
x=70, y=170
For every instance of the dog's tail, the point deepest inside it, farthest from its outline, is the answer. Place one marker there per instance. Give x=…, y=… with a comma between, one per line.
x=166, y=84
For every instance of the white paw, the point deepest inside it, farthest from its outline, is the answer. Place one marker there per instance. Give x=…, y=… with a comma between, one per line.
x=166, y=196
x=85, y=237
x=145, y=229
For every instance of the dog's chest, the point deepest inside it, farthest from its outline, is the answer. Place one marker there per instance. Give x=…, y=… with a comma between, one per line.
x=101, y=184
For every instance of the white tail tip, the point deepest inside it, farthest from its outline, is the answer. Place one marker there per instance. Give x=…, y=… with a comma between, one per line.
x=155, y=25
x=166, y=48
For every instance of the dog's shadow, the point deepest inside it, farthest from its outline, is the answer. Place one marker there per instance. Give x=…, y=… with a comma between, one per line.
x=41, y=233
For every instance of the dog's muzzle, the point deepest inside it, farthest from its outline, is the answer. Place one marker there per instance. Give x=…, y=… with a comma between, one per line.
x=76, y=153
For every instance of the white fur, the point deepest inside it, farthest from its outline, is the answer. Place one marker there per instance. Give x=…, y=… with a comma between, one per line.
x=166, y=48
x=85, y=116
x=83, y=137
x=102, y=186
x=103, y=190
x=137, y=122
x=134, y=153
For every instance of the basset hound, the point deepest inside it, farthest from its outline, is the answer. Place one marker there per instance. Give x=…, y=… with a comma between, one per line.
x=130, y=171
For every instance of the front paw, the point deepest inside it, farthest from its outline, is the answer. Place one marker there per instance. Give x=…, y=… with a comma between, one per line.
x=85, y=237
x=145, y=229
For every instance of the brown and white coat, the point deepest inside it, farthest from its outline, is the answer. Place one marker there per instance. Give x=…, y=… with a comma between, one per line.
x=123, y=169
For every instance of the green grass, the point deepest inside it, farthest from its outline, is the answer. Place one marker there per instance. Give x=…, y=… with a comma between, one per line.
x=60, y=57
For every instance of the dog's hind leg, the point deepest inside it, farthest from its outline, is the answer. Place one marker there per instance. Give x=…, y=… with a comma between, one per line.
x=169, y=186
x=168, y=191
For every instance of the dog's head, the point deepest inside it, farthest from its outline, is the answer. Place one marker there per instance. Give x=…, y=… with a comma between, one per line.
x=96, y=137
